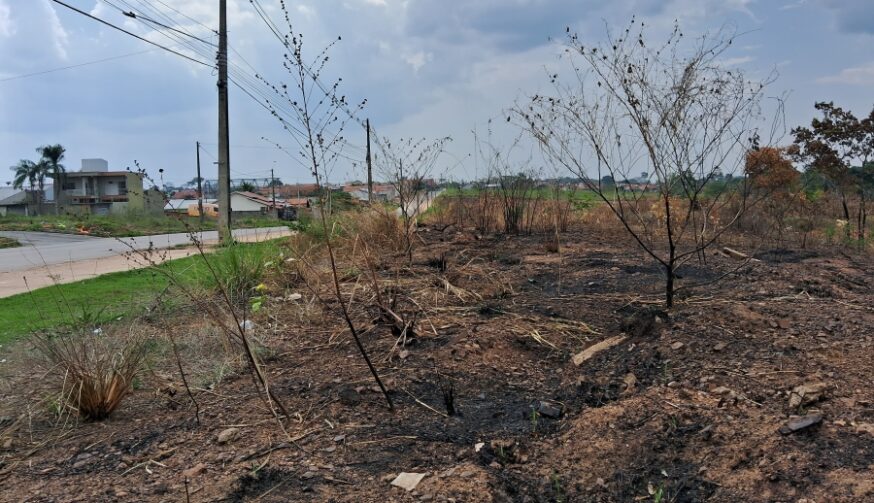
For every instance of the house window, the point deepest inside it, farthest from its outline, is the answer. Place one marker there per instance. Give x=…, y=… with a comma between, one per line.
x=69, y=185
x=122, y=187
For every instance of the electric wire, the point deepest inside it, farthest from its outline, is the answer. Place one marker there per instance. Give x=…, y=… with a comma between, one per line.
x=59, y=2
x=34, y=74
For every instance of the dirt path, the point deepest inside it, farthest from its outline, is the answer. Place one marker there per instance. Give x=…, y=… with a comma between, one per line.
x=20, y=281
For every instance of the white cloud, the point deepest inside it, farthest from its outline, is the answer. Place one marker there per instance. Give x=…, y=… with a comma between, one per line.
x=740, y=60
x=7, y=27
x=793, y=5
x=862, y=75
x=59, y=34
x=852, y=16
x=306, y=11
x=418, y=59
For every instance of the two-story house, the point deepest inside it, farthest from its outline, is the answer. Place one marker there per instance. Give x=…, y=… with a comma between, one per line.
x=97, y=190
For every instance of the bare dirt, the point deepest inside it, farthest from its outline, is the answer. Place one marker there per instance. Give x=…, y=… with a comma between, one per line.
x=687, y=408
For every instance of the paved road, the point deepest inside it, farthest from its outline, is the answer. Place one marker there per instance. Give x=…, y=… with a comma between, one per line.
x=45, y=248
x=420, y=203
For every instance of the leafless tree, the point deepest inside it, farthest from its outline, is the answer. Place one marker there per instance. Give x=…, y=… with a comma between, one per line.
x=674, y=111
x=315, y=115
x=407, y=166
x=513, y=180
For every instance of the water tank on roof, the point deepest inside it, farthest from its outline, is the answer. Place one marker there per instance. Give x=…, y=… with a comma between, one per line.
x=95, y=165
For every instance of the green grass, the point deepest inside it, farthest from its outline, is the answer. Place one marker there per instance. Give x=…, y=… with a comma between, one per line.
x=130, y=225
x=8, y=243
x=106, y=298
x=577, y=195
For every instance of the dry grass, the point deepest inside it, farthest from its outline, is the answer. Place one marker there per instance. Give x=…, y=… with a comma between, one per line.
x=96, y=371
x=484, y=213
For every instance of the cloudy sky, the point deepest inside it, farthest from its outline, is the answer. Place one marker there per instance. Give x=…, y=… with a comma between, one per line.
x=428, y=68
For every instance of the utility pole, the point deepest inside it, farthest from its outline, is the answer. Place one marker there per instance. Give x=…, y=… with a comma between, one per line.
x=224, y=154
x=199, y=188
x=369, y=168
x=273, y=188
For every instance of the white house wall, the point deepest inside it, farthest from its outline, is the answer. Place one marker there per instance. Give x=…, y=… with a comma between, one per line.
x=240, y=203
x=109, y=186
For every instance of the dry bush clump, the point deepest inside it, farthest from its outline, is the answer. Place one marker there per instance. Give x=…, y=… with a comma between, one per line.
x=379, y=227
x=483, y=212
x=96, y=370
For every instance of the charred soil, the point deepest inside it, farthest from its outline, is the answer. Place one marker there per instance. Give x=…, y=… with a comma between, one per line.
x=686, y=408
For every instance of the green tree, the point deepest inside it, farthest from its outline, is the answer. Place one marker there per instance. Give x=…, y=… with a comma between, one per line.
x=25, y=173
x=835, y=146
x=51, y=157
x=245, y=186
x=33, y=174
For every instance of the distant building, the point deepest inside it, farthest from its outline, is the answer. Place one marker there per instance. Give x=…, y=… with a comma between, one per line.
x=637, y=187
x=249, y=203
x=181, y=205
x=290, y=190
x=298, y=202
x=184, y=194
x=381, y=192
x=96, y=190
x=15, y=201
x=26, y=201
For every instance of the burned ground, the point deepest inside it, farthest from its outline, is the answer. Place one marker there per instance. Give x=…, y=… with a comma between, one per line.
x=686, y=409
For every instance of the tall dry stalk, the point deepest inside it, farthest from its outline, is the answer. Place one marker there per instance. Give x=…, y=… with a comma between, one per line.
x=315, y=115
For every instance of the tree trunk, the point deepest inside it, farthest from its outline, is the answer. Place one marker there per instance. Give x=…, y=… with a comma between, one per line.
x=672, y=254
x=669, y=285
x=59, y=192
x=846, y=213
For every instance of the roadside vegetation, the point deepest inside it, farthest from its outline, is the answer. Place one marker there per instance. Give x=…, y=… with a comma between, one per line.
x=8, y=242
x=114, y=297
x=123, y=225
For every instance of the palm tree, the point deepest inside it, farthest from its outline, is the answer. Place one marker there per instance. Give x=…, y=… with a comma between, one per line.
x=42, y=171
x=52, y=155
x=27, y=171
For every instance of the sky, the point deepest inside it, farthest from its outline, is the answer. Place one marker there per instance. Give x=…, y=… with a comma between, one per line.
x=428, y=68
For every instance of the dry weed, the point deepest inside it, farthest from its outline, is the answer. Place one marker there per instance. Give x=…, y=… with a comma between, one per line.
x=96, y=370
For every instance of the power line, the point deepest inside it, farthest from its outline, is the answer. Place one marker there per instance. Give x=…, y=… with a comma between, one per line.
x=242, y=80
x=59, y=2
x=187, y=16
x=242, y=146
x=75, y=66
x=284, y=41
x=264, y=17
x=133, y=15
x=249, y=85
x=174, y=34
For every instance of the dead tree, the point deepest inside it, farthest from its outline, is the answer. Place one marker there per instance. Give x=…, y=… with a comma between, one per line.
x=315, y=114
x=512, y=181
x=671, y=111
x=407, y=166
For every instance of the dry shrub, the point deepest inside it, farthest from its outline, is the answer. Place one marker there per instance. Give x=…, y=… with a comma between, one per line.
x=484, y=212
x=600, y=218
x=550, y=215
x=380, y=228
x=96, y=370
